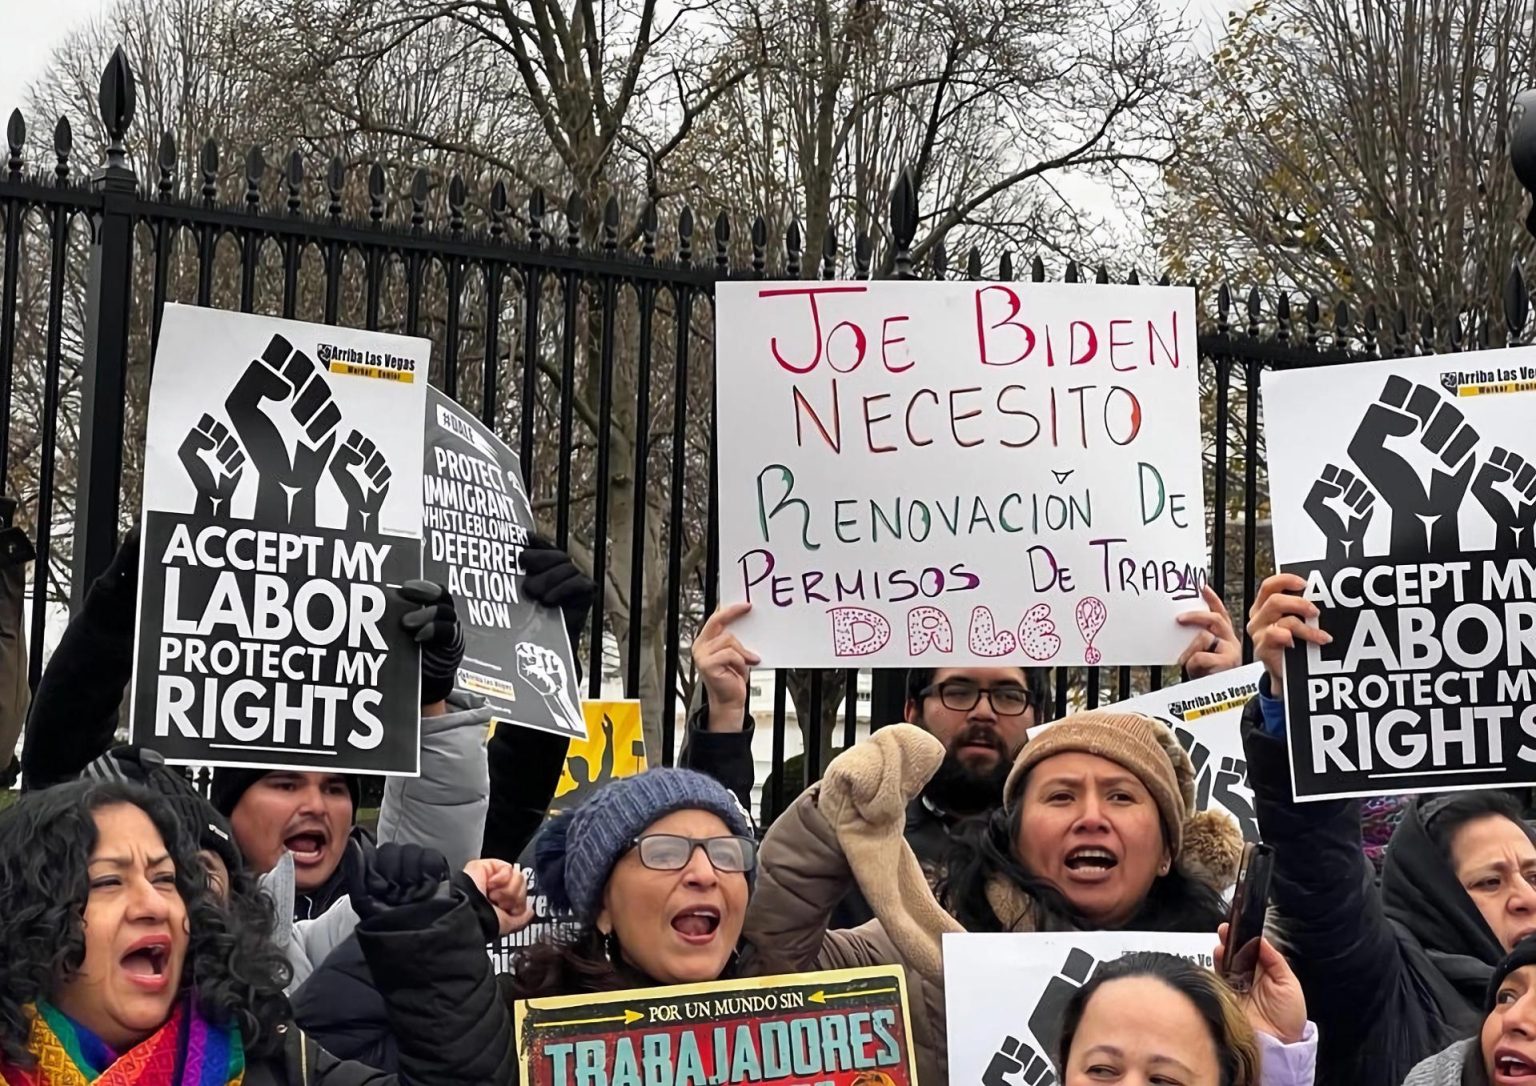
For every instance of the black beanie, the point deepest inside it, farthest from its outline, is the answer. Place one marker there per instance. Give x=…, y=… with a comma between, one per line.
x=146, y=767
x=230, y=783
x=1523, y=955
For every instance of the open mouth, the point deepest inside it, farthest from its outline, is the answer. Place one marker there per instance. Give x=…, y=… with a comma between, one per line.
x=698, y=924
x=1091, y=860
x=307, y=847
x=1509, y=1065
x=147, y=962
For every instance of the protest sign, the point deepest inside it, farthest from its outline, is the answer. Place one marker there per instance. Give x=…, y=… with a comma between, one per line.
x=848, y=1027
x=948, y=473
x=1206, y=715
x=612, y=747
x=281, y=509
x=1406, y=497
x=1005, y=994
x=517, y=654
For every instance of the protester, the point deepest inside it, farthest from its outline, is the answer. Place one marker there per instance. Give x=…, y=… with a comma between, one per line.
x=1097, y=830
x=121, y=967
x=655, y=871
x=1395, y=974
x=982, y=715
x=1504, y=1048
x=1151, y=1017
x=16, y=551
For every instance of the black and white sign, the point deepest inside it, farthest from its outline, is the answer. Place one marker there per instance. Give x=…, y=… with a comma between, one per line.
x=281, y=506
x=1406, y=497
x=477, y=518
x=1005, y=995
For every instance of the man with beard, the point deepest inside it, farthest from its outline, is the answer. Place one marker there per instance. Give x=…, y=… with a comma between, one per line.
x=982, y=715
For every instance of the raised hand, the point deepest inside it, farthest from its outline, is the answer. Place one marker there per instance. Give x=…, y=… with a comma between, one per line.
x=1506, y=487
x=724, y=665
x=216, y=482
x=363, y=477
x=505, y=887
x=1274, y=1004
x=391, y=876
x=1215, y=648
x=1278, y=620
x=1345, y=534
x=1406, y=410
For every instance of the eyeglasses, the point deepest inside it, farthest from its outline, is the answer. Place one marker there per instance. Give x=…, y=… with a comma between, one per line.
x=671, y=852
x=962, y=696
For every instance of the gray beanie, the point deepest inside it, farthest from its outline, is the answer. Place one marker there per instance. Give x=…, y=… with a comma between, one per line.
x=577, y=849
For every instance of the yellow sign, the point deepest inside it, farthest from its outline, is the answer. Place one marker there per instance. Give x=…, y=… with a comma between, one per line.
x=614, y=748
x=348, y=369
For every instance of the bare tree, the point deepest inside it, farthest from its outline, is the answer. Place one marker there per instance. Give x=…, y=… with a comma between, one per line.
x=1359, y=148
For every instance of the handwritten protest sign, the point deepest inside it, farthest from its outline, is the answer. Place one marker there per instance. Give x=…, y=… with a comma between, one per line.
x=943, y=473
x=280, y=510
x=1406, y=497
x=837, y=1028
x=1206, y=716
x=517, y=654
x=612, y=747
x=1005, y=994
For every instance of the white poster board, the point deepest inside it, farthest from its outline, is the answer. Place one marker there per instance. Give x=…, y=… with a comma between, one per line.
x=959, y=473
x=1005, y=994
x=1406, y=496
x=1206, y=716
x=282, y=505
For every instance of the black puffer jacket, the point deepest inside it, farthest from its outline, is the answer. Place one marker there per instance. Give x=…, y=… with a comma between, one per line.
x=1391, y=975
x=440, y=1003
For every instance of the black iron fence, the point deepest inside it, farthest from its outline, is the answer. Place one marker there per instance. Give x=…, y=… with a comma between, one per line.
x=583, y=335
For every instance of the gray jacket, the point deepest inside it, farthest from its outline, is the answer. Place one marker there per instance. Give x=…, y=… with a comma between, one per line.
x=1443, y=1068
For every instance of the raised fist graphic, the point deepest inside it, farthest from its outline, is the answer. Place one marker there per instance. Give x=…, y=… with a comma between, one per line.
x=287, y=485
x=1418, y=413
x=543, y=670
x=1345, y=533
x=1014, y=1057
x=216, y=476
x=1506, y=487
x=363, y=478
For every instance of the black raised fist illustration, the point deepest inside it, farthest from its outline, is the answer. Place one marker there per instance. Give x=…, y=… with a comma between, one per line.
x=1013, y=1057
x=1200, y=758
x=1045, y=1021
x=1345, y=532
x=1231, y=793
x=1422, y=414
x=1506, y=487
x=217, y=481
x=287, y=485
x=363, y=478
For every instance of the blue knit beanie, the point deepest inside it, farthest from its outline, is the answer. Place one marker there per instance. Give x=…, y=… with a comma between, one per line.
x=577, y=849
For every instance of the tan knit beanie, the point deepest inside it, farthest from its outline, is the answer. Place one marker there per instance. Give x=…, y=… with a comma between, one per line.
x=1139, y=743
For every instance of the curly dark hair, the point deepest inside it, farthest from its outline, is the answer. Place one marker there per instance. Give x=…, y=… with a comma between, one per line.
x=46, y=841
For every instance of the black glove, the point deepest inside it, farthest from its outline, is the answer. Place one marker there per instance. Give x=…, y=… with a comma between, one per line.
x=114, y=594
x=435, y=627
x=392, y=876
x=550, y=578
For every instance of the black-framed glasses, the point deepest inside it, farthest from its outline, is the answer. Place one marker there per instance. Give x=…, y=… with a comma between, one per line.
x=671, y=852
x=962, y=695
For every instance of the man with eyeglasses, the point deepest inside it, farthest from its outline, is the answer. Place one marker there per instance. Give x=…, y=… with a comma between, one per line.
x=982, y=715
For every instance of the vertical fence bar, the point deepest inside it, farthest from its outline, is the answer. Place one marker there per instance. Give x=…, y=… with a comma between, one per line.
x=490, y=370
x=683, y=308
x=43, y=567
x=610, y=297
x=533, y=289
x=646, y=299
x=811, y=730
x=103, y=369
x=1250, y=499
x=780, y=692
x=572, y=288
x=851, y=708
x=15, y=215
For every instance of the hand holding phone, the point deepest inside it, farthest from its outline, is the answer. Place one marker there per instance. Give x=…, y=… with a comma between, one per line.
x=1245, y=920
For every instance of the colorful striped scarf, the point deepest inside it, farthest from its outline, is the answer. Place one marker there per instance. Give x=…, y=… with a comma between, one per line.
x=187, y=1051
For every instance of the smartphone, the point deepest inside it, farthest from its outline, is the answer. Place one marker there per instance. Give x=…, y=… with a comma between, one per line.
x=1245, y=919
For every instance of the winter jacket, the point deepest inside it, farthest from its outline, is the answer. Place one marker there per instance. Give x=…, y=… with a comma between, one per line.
x=1282, y=1064
x=1459, y=1065
x=444, y=808
x=525, y=767
x=1390, y=975
x=443, y=1007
